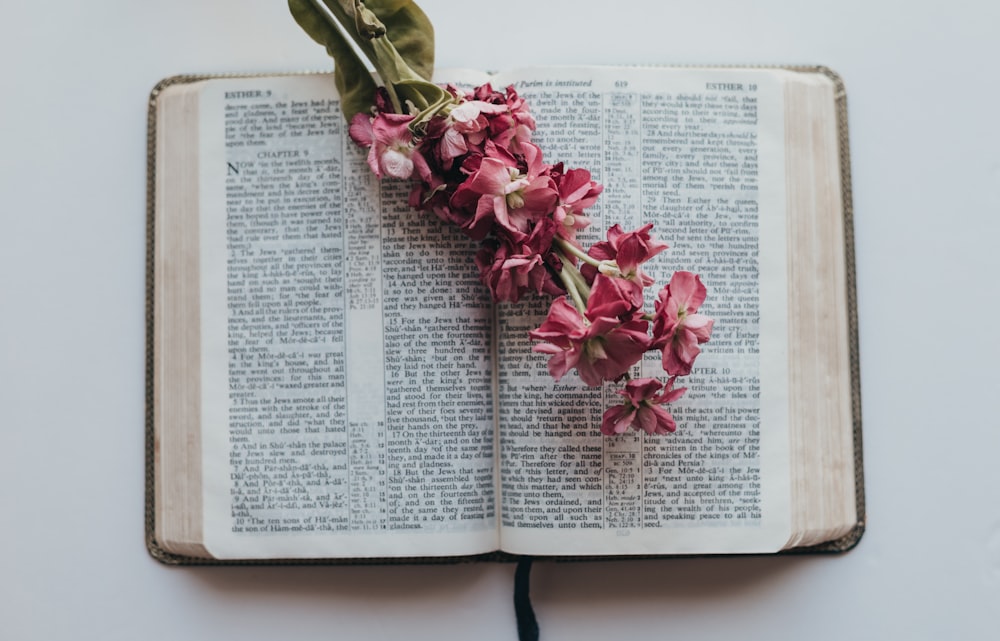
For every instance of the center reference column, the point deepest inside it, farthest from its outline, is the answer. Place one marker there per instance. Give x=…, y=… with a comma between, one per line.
x=365, y=382
x=624, y=204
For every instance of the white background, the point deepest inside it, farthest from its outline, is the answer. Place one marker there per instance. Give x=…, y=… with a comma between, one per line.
x=924, y=108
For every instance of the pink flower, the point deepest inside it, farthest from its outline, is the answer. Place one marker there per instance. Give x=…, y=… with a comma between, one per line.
x=510, y=267
x=513, y=198
x=642, y=408
x=470, y=117
x=628, y=250
x=613, y=298
x=601, y=349
x=678, y=328
x=467, y=124
x=512, y=127
x=452, y=146
x=390, y=144
x=576, y=192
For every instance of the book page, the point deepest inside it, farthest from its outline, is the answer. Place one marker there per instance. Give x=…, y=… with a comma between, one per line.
x=699, y=153
x=347, y=345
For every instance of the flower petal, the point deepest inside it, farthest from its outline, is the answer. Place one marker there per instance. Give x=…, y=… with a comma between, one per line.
x=616, y=419
x=492, y=179
x=688, y=290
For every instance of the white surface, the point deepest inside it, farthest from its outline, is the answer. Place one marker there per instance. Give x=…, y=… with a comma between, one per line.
x=923, y=97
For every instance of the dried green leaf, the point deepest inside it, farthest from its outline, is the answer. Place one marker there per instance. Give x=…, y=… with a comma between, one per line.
x=421, y=93
x=407, y=30
x=410, y=31
x=350, y=75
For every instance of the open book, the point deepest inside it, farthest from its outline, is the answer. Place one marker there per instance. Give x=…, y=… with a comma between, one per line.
x=328, y=379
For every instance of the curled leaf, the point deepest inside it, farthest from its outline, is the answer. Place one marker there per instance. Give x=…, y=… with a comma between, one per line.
x=422, y=94
x=367, y=25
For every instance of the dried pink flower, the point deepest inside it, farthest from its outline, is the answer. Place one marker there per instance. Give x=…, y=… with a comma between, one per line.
x=628, y=250
x=576, y=192
x=513, y=198
x=512, y=267
x=601, y=349
x=614, y=298
x=390, y=144
x=678, y=328
x=642, y=408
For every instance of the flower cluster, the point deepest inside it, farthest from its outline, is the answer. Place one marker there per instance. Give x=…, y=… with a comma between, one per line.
x=473, y=164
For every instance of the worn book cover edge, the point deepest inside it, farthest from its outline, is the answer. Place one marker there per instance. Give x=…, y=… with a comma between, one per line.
x=842, y=544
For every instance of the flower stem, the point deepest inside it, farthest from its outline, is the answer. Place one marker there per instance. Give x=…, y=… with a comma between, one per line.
x=573, y=292
x=581, y=282
x=570, y=248
x=575, y=284
x=442, y=106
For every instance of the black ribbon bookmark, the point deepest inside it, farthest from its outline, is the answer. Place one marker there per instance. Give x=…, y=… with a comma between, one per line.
x=527, y=625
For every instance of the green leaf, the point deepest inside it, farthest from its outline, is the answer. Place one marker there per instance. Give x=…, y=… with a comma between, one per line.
x=405, y=52
x=409, y=30
x=407, y=27
x=350, y=75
